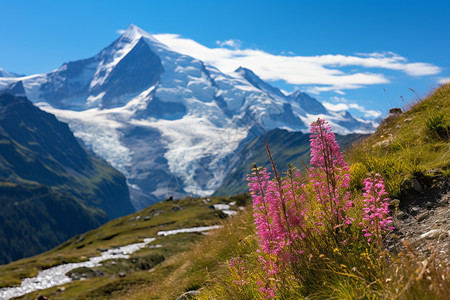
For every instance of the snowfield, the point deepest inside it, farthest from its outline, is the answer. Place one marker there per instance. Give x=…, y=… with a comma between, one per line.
x=187, y=230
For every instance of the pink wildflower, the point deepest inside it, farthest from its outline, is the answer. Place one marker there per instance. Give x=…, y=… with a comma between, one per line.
x=258, y=185
x=375, y=212
x=329, y=174
x=277, y=211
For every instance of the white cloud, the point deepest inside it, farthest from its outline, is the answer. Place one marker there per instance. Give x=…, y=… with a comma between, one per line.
x=321, y=73
x=384, y=60
x=343, y=106
x=336, y=107
x=444, y=80
x=230, y=43
x=316, y=90
x=120, y=31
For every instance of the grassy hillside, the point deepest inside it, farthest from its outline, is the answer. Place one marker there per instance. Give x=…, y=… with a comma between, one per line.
x=166, y=215
x=50, y=187
x=408, y=146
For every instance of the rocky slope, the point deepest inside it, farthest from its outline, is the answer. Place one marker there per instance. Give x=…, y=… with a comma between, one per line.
x=422, y=225
x=411, y=150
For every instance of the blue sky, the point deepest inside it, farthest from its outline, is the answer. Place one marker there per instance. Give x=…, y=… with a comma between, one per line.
x=360, y=55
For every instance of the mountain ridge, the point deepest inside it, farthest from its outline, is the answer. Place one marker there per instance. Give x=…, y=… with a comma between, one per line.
x=4, y=73
x=197, y=117
x=286, y=148
x=48, y=183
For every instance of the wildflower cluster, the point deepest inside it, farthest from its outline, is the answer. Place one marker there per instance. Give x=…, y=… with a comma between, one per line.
x=293, y=232
x=330, y=176
x=279, y=223
x=375, y=212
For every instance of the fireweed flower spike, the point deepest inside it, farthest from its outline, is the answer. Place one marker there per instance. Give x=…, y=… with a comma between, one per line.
x=375, y=212
x=282, y=222
x=329, y=175
x=277, y=219
x=286, y=216
x=259, y=182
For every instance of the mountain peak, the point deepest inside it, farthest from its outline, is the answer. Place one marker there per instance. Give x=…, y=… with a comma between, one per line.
x=133, y=27
x=257, y=82
x=295, y=94
x=308, y=103
x=4, y=73
x=241, y=70
x=133, y=33
x=15, y=88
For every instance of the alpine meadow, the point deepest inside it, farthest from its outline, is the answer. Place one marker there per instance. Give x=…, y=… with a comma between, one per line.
x=224, y=150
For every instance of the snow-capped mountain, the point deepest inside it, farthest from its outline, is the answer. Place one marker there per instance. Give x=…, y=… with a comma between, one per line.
x=169, y=122
x=4, y=73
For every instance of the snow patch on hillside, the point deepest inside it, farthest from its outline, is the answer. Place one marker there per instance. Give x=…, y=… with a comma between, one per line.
x=57, y=275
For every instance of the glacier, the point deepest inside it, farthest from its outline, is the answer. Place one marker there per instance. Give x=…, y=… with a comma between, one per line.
x=171, y=123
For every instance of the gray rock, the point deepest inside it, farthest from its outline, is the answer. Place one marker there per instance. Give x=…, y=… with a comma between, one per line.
x=401, y=215
x=395, y=112
x=416, y=185
x=415, y=209
x=444, y=200
x=429, y=205
x=394, y=203
x=188, y=295
x=406, y=184
x=177, y=208
x=434, y=234
x=84, y=273
x=422, y=216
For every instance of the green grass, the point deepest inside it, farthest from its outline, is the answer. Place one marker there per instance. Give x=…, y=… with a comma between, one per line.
x=122, y=231
x=407, y=145
x=204, y=264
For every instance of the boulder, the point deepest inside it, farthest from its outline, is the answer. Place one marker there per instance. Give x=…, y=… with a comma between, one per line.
x=395, y=112
x=188, y=295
